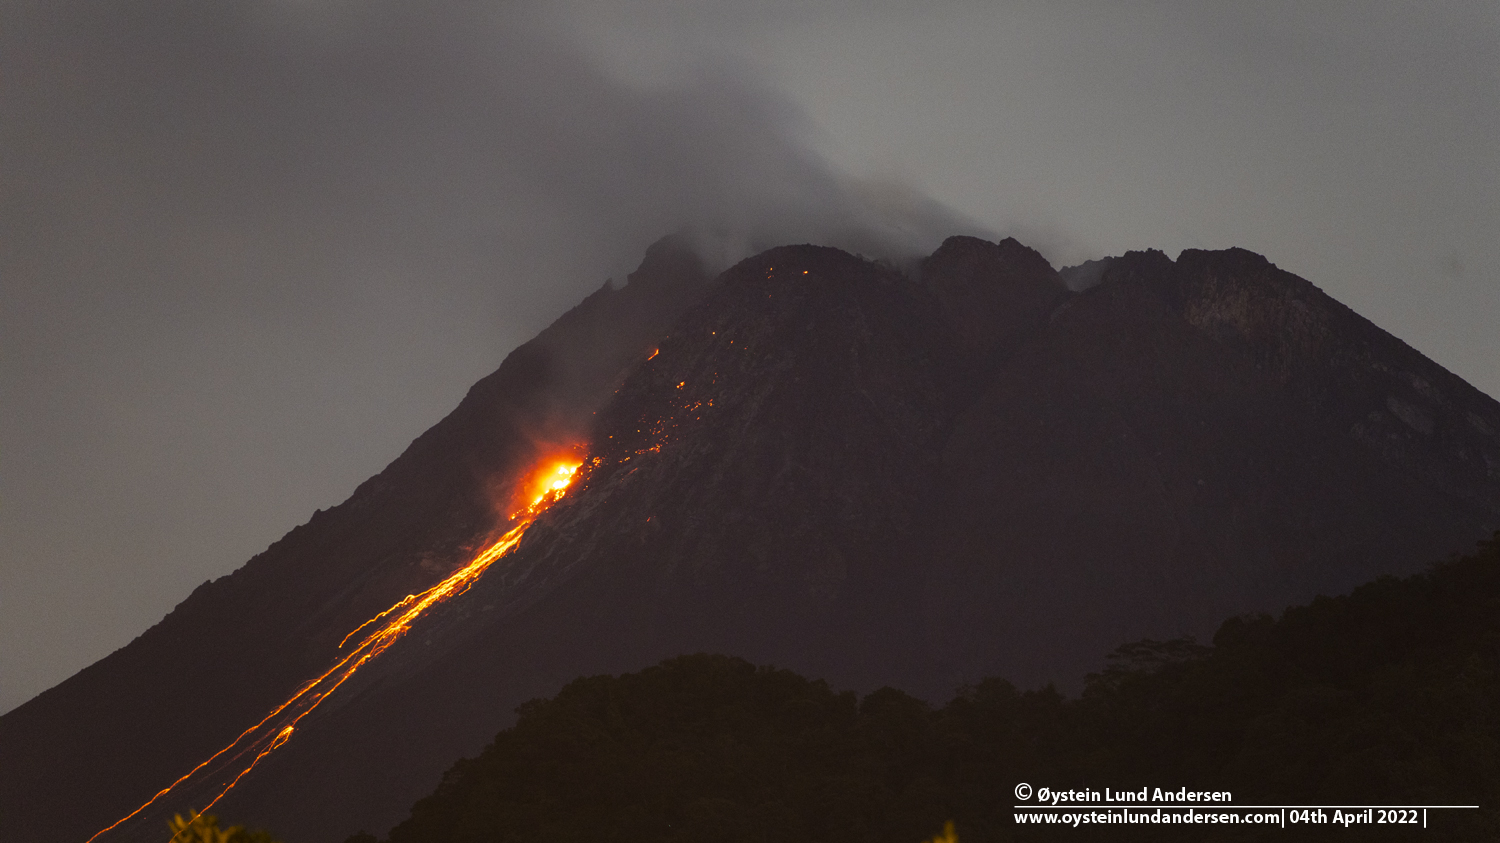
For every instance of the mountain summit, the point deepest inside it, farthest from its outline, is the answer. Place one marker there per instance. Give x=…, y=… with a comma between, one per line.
x=814, y=461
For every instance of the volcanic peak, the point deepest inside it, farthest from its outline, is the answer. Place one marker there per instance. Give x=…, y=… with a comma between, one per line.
x=816, y=462
x=993, y=294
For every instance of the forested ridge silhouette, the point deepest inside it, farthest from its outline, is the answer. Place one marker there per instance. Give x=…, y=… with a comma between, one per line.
x=1387, y=695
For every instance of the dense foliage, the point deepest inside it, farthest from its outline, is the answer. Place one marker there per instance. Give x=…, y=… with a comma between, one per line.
x=1385, y=696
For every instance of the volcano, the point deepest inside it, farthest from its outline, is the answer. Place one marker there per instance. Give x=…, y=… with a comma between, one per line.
x=917, y=477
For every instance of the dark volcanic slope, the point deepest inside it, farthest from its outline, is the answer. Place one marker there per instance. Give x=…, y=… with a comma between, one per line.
x=1183, y=443
x=826, y=466
x=90, y=750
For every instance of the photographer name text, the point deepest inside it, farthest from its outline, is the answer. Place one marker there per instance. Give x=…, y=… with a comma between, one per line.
x=1143, y=796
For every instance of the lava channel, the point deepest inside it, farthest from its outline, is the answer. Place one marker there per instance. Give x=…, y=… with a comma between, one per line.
x=543, y=488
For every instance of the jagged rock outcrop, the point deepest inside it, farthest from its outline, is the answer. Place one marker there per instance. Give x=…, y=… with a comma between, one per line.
x=815, y=462
x=995, y=295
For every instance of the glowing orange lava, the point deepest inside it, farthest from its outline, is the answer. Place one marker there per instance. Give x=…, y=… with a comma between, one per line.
x=545, y=487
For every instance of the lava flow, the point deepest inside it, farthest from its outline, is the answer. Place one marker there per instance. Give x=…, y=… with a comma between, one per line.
x=544, y=488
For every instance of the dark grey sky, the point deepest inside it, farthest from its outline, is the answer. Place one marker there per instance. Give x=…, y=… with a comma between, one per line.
x=249, y=251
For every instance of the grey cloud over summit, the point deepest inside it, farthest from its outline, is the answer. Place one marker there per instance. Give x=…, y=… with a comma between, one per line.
x=405, y=127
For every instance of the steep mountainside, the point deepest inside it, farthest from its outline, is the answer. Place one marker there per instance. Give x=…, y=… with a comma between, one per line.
x=97, y=745
x=816, y=462
x=1278, y=711
x=1147, y=464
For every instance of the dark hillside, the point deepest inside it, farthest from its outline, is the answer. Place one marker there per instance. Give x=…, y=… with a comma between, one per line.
x=1202, y=472
x=1388, y=696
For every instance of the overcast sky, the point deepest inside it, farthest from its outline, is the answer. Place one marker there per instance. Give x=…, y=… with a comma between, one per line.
x=248, y=251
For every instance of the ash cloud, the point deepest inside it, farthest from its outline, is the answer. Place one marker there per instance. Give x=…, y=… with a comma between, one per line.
x=413, y=129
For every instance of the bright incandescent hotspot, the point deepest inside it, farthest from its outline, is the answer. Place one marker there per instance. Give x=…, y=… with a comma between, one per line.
x=977, y=466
